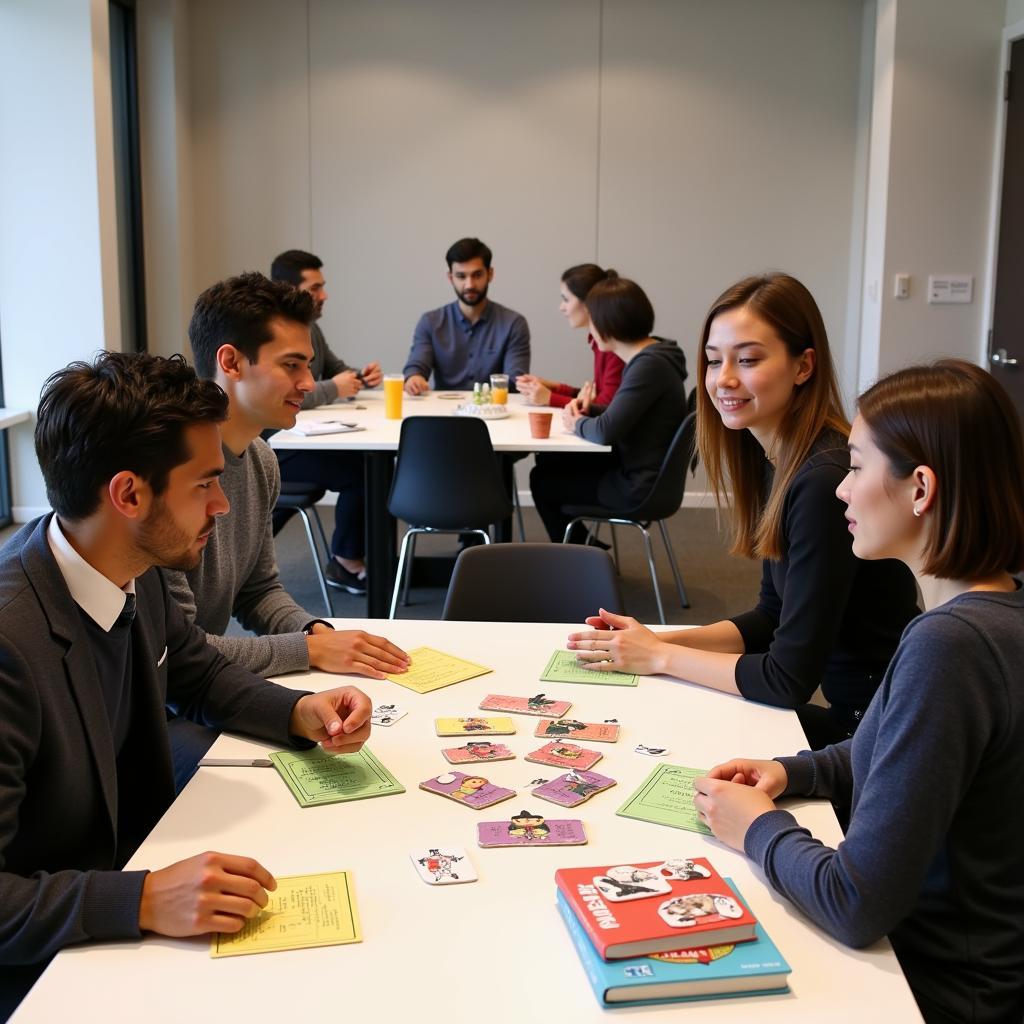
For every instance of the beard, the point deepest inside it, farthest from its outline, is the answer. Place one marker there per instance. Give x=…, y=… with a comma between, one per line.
x=478, y=295
x=165, y=543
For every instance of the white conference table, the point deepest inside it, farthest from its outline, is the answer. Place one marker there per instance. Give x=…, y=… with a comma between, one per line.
x=378, y=443
x=495, y=949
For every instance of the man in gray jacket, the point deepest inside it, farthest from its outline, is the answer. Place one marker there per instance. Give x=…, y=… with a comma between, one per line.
x=337, y=471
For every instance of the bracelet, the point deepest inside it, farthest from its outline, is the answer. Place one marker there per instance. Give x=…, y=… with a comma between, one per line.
x=308, y=627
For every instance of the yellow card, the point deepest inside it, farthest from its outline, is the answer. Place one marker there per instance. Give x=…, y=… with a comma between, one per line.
x=430, y=670
x=474, y=726
x=304, y=911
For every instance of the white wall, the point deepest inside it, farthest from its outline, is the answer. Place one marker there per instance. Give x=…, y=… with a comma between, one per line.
x=1014, y=12
x=686, y=144
x=58, y=269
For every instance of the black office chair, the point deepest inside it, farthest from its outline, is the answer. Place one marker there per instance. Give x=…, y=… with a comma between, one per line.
x=532, y=583
x=447, y=480
x=663, y=501
x=302, y=498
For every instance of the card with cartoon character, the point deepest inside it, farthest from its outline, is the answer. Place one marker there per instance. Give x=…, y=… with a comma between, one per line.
x=626, y=882
x=527, y=828
x=471, y=726
x=540, y=704
x=562, y=754
x=469, y=790
x=571, y=729
x=573, y=788
x=387, y=714
x=476, y=751
x=443, y=865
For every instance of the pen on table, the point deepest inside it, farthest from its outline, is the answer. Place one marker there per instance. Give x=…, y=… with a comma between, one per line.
x=236, y=762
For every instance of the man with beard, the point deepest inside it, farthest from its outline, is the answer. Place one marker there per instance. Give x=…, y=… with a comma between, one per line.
x=337, y=471
x=470, y=338
x=250, y=335
x=92, y=648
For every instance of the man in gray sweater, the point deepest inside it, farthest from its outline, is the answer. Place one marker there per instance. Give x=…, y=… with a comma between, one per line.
x=337, y=471
x=251, y=336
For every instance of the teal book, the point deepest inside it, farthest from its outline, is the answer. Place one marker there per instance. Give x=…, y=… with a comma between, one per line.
x=744, y=969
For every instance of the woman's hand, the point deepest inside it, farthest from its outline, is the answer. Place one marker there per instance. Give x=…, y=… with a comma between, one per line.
x=768, y=776
x=571, y=415
x=621, y=645
x=729, y=808
x=585, y=397
x=533, y=389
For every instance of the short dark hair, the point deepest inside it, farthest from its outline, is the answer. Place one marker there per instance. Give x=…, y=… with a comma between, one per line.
x=581, y=278
x=289, y=265
x=619, y=309
x=239, y=312
x=466, y=249
x=958, y=420
x=123, y=411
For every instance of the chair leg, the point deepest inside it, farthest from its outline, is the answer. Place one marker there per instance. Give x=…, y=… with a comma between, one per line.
x=412, y=535
x=518, y=508
x=568, y=529
x=400, y=573
x=320, y=530
x=654, y=572
x=615, y=548
x=318, y=568
x=675, y=565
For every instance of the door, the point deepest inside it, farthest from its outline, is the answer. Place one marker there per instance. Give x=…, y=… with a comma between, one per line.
x=1006, y=341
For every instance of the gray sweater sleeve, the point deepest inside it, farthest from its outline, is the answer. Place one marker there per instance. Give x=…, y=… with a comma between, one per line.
x=922, y=739
x=324, y=366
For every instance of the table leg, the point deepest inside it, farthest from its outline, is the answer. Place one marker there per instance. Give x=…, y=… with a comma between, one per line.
x=381, y=550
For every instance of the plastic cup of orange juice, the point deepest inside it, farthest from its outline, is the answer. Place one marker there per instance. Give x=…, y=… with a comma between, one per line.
x=499, y=388
x=394, y=383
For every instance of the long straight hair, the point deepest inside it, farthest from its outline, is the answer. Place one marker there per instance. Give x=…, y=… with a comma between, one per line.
x=733, y=458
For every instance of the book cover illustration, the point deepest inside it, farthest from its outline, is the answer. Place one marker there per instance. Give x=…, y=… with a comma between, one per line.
x=561, y=754
x=474, y=726
x=540, y=704
x=476, y=751
x=573, y=788
x=443, y=865
x=571, y=728
x=643, y=908
x=472, y=791
x=527, y=828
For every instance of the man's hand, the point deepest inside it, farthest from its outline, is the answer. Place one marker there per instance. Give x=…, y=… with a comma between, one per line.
x=372, y=375
x=729, y=809
x=620, y=644
x=534, y=389
x=352, y=650
x=211, y=892
x=339, y=719
x=768, y=776
x=348, y=383
x=416, y=385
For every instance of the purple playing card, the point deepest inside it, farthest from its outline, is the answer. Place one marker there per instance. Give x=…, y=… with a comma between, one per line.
x=471, y=790
x=573, y=788
x=528, y=828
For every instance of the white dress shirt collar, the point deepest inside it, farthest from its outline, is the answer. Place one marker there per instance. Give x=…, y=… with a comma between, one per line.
x=96, y=595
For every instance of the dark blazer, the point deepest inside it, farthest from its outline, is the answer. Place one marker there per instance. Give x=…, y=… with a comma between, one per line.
x=63, y=834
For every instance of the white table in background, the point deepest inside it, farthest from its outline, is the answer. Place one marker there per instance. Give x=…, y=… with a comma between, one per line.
x=378, y=442
x=493, y=950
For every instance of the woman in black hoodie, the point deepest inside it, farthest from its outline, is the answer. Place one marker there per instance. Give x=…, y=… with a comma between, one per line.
x=639, y=422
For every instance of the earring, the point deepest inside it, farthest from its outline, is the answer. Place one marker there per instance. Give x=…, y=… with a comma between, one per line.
x=917, y=512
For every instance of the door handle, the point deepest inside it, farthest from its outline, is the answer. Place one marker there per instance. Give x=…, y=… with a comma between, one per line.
x=1000, y=358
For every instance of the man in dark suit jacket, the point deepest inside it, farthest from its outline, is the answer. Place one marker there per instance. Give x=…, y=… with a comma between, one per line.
x=92, y=647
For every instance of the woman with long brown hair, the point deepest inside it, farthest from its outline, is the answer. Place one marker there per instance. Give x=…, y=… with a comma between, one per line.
x=772, y=432
x=935, y=844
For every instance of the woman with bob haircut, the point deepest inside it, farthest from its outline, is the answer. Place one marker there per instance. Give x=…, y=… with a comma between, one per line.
x=934, y=851
x=639, y=422
x=771, y=428
x=576, y=284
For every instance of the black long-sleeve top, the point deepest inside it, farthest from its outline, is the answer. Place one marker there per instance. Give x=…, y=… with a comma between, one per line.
x=824, y=617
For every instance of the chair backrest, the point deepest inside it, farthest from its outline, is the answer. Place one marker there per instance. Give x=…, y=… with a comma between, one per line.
x=532, y=583
x=666, y=495
x=447, y=475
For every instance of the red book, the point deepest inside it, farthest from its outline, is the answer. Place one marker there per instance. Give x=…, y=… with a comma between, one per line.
x=655, y=906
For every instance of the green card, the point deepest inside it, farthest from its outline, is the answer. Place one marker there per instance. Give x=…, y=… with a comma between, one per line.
x=666, y=798
x=316, y=777
x=564, y=668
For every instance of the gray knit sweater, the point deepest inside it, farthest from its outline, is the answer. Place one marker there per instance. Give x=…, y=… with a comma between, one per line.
x=238, y=575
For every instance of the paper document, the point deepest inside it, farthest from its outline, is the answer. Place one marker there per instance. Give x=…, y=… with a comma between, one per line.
x=564, y=668
x=317, y=777
x=311, y=427
x=304, y=911
x=666, y=798
x=430, y=670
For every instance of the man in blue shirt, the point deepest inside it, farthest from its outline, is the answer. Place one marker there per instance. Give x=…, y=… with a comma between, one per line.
x=470, y=338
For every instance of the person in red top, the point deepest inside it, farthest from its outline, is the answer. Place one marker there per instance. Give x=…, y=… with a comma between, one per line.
x=576, y=283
